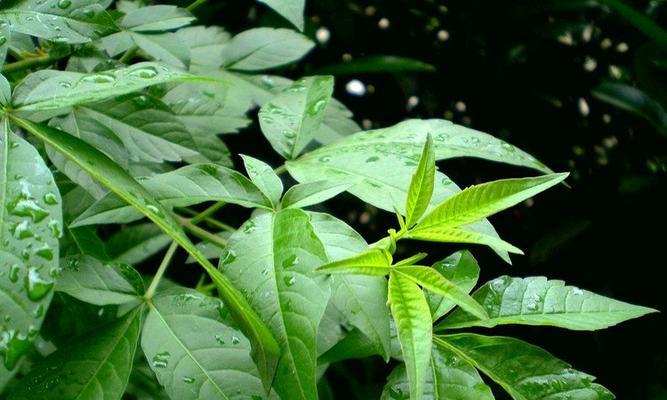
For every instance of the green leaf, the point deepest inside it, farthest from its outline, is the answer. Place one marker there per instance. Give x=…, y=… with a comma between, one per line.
x=164, y=47
x=205, y=44
x=413, y=322
x=69, y=21
x=290, y=120
x=30, y=225
x=263, y=48
x=525, y=371
x=431, y=280
x=460, y=268
x=5, y=35
x=480, y=201
x=95, y=366
x=307, y=194
x=361, y=299
x=263, y=176
x=136, y=243
x=115, y=178
x=5, y=86
x=193, y=184
x=50, y=89
x=454, y=235
x=271, y=259
x=640, y=21
x=194, y=352
x=374, y=262
x=449, y=377
x=421, y=185
x=538, y=301
x=292, y=10
x=87, y=279
x=376, y=64
x=156, y=18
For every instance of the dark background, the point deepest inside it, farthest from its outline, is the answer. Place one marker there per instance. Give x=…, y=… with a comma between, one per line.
x=520, y=69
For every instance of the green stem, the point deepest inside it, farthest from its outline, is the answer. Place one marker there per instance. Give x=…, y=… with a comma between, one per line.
x=195, y=5
x=131, y=52
x=280, y=170
x=202, y=233
x=208, y=212
x=32, y=62
x=160, y=271
x=208, y=220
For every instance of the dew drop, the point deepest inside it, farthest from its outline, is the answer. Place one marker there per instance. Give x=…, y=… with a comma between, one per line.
x=290, y=280
x=14, y=271
x=220, y=339
x=63, y=4
x=228, y=257
x=144, y=72
x=188, y=379
x=36, y=287
x=318, y=107
x=372, y=159
x=236, y=340
x=291, y=261
x=161, y=360
x=3, y=39
x=99, y=78
x=51, y=199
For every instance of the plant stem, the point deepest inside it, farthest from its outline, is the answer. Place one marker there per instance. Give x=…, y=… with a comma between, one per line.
x=32, y=62
x=280, y=170
x=202, y=233
x=208, y=212
x=208, y=220
x=125, y=58
x=195, y=5
x=160, y=271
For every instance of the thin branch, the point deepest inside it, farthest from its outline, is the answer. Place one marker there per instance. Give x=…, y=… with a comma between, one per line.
x=160, y=271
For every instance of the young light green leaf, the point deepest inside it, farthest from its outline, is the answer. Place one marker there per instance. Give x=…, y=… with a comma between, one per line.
x=193, y=184
x=481, y=201
x=432, y=280
x=272, y=259
x=454, y=235
x=31, y=223
x=461, y=269
x=136, y=243
x=87, y=279
x=538, y=301
x=307, y=194
x=360, y=298
x=374, y=262
x=263, y=48
x=52, y=89
x=292, y=10
x=265, y=349
x=157, y=18
x=71, y=21
x=290, y=120
x=525, y=371
x=263, y=176
x=449, y=377
x=95, y=366
x=413, y=322
x=210, y=362
x=421, y=185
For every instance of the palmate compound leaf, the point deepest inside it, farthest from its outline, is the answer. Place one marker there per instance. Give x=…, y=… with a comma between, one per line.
x=195, y=352
x=292, y=10
x=525, y=371
x=263, y=48
x=89, y=280
x=449, y=377
x=290, y=120
x=193, y=184
x=413, y=324
x=538, y=301
x=51, y=89
x=381, y=163
x=271, y=259
x=95, y=366
x=30, y=224
x=67, y=21
x=265, y=348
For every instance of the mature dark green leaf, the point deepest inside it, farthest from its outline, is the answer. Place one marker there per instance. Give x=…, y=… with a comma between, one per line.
x=263, y=48
x=89, y=280
x=115, y=178
x=292, y=10
x=460, y=268
x=413, y=322
x=5, y=87
x=290, y=120
x=361, y=299
x=449, y=377
x=271, y=259
x=634, y=100
x=52, y=89
x=156, y=18
x=96, y=366
x=69, y=21
x=375, y=64
x=263, y=176
x=307, y=194
x=205, y=44
x=194, y=352
x=30, y=225
x=136, y=243
x=538, y=301
x=421, y=185
x=433, y=281
x=4, y=45
x=164, y=47
x=185, y=186
x=525, y=371
x=640, y=21
x=372, y=262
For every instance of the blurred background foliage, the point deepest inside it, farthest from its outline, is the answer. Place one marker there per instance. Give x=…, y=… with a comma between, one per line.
x=580, y=84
